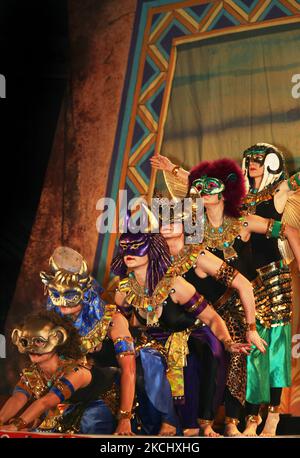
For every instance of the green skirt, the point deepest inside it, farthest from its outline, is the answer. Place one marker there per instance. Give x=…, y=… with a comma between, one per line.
x=271, y=369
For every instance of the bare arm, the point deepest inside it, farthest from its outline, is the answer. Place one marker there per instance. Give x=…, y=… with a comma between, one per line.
x=211, y=265
x=245, y=290
x=127, y=365
x=12, y=406
x=293, y=236
x=293, y=183
x=38, y=407
x=78, y=379
x=260, y=225
x=124, y=308
x=120, y=298
x=256, y=224
x=160, y=162
x=213, y=320
x=183, y=293
x=207, y=264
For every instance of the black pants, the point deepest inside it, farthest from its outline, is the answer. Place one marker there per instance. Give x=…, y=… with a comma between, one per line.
x=233, y=407
x=200, y=385
x=208, y=384
x=275, y=397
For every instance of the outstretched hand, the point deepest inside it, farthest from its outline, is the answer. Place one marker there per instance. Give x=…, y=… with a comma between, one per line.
x=159, y=162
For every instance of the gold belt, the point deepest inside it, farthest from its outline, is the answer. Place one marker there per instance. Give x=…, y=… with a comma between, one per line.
x=273, y=266
x=177, y=351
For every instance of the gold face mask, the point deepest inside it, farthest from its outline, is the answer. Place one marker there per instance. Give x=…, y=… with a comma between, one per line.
x=63, y=296
x=66, y=287
x=38, y=337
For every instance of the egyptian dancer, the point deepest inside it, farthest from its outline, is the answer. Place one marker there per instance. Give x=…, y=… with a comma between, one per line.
x=164, y=306
x=156, y=407
x=193, y=262
x=227, y=235
x=59, y=391
x=271, y=194
x=105, y=338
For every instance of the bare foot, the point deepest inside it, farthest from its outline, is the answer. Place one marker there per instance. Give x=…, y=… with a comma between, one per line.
x=207, y=431
x=270, y=425
x=167, y=430
x=251, y=427
x=232, y=431
x=191, y=432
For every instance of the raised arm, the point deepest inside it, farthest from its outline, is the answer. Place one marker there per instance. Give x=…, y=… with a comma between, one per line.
x=125, y=353
x=159, y=162
x=285, y=189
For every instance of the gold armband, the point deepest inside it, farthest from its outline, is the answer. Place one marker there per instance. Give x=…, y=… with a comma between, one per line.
x=251, y=326
x=275, y=230
x=270, y=228
x=274, y=409
x=124, y=346
x=124, y=414
x=253, y=419
x=18, y=422
x=204, y=422
x=175, y=170
x=294, y=182
x=231, y=421
x=228, y=344
x=226, y=274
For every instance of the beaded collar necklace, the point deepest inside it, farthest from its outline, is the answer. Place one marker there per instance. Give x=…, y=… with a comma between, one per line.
x=138, y=296
x=254, y=197
x=223, y=237
x=185, y=259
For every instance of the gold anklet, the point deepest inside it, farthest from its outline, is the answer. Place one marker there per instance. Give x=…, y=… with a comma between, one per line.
x=231, y=420
x=204, y=422
x=273, y=409
x=253, y=418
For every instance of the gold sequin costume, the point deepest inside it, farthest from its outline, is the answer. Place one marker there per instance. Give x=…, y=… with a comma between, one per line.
x=94, y=338
x=274, y=301
x=35, y=385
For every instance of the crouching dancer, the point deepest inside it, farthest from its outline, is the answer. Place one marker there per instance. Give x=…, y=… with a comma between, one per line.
x=105, y=338
x=62, y=392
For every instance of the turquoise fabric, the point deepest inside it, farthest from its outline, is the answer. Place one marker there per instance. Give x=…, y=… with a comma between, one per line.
x=271, y=369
